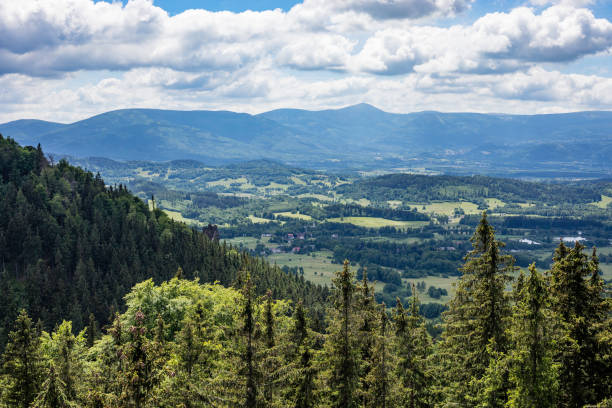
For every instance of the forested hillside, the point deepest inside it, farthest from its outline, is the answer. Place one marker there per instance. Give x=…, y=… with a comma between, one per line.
x=546, y=343
x=71, y=247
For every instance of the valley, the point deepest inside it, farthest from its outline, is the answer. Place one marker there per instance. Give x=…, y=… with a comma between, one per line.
x=405, y=228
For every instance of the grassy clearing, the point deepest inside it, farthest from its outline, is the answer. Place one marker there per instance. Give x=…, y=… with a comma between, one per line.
x=448, y=208
x=297, y=180
x=258, y=220
x=494, y=203
x=298, y=216
x=375, y=222
x=604, y=202
x=275, y=186
x=317, y=269
x=247, y=242
x=177, y=216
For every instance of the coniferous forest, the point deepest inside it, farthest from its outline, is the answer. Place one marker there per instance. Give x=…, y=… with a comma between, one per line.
x=107, y=303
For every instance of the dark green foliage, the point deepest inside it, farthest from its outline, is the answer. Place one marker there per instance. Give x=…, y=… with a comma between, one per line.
x=72, y=247
x=580, y=303
x=342, y=354
x=475, y=324
x=419, y=188
x=533, y=373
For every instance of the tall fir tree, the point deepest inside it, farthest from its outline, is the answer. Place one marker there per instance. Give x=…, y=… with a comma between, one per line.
x=367, y=317
x=341, y=352
x=249, y=371
x=413, y=346
x=380, y=379
x=23, y=364
x=580, y=304
x=533, y=373
x=475, y=324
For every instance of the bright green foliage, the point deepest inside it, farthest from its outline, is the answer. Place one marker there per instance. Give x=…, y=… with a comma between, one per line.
x=72, y=247
x=23, y=364
x=533, y=374
x=341, y=350
x=65, y=352
x=584, y=350
x=53, y=393
x=139, y=375
x=475, y=324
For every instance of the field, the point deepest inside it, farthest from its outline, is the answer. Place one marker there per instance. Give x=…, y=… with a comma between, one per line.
x=318, y=268
x=375, y=222
x=604, y=202
x=298, y=216
x=448, y=208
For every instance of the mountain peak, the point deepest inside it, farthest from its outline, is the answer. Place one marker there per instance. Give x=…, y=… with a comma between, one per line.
x=361, y=107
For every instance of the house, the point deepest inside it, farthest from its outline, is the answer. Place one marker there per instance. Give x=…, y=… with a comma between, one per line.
x=301, y=235
x=277, y=250
x=295, y=250
x=290, y=236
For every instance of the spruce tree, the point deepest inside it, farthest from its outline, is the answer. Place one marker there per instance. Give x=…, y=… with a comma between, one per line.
x=53, y=393
x=380, y=380
x=475, y=324
x=533, y=374
x=300, y=389
x=368, y=319
x=23, y=363
x=413, y=346
x=250, y=371
x=341, y=352
x=580, y=304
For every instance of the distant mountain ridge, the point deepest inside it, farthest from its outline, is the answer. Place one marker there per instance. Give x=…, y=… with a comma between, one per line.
x=351, y=137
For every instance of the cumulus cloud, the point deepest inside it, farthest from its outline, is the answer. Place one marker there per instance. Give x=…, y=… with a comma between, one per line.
x=382, y=51
x=498, y=42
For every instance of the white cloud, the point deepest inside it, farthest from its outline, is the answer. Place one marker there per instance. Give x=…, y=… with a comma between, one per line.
x=385, y=52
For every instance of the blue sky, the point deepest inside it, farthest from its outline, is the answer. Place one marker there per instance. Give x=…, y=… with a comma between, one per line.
x=69, y=59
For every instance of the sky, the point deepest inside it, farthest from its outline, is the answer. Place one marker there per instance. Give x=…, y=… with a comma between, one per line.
x=66, y=60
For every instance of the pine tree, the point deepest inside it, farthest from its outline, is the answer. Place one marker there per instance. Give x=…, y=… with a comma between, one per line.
x=341, y=353
x=533, y=374
x=475, y=324
x=23, y=363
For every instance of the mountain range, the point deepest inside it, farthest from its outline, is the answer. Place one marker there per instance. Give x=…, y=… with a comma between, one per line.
x=359, y=136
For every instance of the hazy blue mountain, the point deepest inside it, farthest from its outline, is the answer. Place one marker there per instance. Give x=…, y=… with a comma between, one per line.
x=355, y=136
